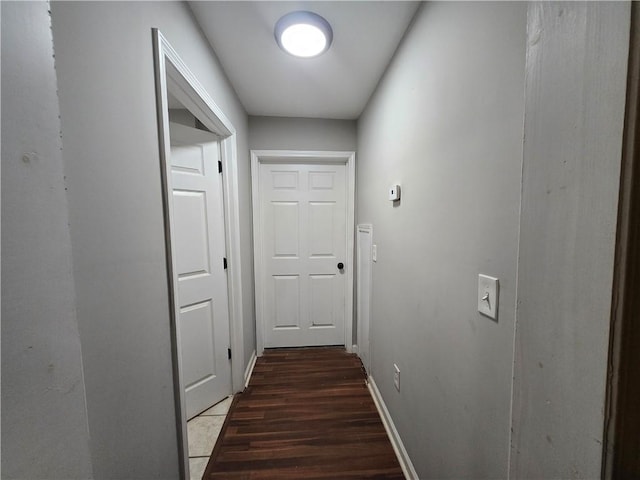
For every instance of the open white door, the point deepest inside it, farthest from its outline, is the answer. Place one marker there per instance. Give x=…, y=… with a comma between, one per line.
x=202, y=296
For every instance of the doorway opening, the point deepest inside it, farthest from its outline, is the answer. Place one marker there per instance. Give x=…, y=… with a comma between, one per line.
x=303, y=230
x=200, y=140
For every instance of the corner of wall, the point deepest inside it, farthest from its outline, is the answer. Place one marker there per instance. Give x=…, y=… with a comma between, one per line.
x=43, y=387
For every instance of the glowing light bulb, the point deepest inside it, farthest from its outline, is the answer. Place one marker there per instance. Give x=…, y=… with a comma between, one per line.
x=303, y=34
x=303, y=40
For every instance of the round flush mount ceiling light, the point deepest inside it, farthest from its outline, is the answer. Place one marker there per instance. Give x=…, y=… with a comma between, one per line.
x=303, y=34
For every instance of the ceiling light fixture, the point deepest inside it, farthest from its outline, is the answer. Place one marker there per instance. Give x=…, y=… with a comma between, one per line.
x=303, y=34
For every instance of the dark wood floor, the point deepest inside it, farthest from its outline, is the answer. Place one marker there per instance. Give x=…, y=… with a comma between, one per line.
x=307, y=413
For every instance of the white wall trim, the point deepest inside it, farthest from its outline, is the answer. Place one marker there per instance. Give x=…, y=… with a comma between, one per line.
x=172, y=73
x=234, y=254
x=403, y=457
x=364, y=228
x=249, y=370
x=348, y=158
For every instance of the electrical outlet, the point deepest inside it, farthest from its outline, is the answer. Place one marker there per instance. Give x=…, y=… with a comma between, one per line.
x=396, y=376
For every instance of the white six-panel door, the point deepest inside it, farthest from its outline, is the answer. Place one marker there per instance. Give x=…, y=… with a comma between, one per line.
x=198, y=226
x=303, y=228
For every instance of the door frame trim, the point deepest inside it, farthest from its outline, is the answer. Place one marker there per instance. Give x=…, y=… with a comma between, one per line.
x=364, y=228
x=171, y=73
x=347, y=158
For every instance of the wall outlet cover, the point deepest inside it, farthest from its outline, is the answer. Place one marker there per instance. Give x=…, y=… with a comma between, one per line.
x=394, y=193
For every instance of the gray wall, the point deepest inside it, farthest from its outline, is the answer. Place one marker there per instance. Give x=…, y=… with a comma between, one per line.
x=44, y=419
x=182, y=116
x=281, y=133
x=446, y=123
x=107, y=99
x=575, y=99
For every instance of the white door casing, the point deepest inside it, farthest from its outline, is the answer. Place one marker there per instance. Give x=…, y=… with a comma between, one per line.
x=172, y=74
x=303, y=227
x=198, y=224
x=364, y=242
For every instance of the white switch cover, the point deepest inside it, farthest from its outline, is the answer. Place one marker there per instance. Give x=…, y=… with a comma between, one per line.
x=374, y=253
x=488, y=291
x=396, y=376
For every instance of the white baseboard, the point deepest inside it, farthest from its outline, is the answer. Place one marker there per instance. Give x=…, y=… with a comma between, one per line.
x=249, y=369
x=403, y=457
x=354, y=348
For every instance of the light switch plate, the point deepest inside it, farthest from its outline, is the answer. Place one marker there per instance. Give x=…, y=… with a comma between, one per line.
x=374, y=253
x=396, y=376
x=488, y=293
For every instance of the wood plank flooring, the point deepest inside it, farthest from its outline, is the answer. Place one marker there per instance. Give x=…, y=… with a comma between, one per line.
x=306, y=414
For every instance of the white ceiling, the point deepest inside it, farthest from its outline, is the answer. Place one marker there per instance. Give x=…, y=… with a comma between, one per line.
x=337, y=84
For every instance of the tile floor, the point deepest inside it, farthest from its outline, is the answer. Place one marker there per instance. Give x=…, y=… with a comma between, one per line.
x=202, y=432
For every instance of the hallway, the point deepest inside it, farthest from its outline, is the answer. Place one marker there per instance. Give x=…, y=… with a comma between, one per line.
x=307, y=413
x=503, y=123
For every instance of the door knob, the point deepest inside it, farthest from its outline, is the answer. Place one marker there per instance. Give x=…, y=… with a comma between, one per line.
x=340, y=266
